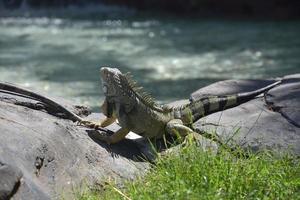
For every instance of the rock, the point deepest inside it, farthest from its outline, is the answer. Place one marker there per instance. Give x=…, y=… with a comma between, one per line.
x=50, y=156
x=230, y=87
x=12, y=184
x=45, y=157
x=10, y=180
x=258, y=124
x=285, y=99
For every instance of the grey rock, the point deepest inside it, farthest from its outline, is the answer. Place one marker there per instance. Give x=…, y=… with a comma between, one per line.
x=285, y=99
x=12, y=185
x=56, y=156
x=10, y=180
x=262, y=123
x=230, y=87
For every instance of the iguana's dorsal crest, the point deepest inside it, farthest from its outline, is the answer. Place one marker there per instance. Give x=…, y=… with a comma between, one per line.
x=143, y=96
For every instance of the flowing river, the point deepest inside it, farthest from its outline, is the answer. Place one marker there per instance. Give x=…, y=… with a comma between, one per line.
x=170, y=57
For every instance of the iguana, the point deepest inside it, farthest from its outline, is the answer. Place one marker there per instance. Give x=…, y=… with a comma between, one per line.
x=136, y=111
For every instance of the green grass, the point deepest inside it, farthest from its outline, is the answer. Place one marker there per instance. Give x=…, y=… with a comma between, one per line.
x=194, y=174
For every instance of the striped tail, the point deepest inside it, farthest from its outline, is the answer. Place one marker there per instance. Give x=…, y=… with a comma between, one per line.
x=211, y=104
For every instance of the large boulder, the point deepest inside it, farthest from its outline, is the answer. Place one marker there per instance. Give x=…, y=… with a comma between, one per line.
x=43, y=156
x=266, y=122
x=46, y=157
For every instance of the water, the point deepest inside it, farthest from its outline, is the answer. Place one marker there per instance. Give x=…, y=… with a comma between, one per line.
x=172, y=57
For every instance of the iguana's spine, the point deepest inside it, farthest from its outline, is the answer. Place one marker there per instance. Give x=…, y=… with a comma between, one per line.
x=193, y=111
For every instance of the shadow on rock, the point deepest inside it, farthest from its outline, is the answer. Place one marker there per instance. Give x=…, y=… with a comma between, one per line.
x=126, y=148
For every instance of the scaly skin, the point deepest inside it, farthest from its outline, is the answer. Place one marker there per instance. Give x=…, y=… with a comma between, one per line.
x=136, y=111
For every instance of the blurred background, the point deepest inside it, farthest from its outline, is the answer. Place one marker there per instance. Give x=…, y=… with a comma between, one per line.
x=172, y=47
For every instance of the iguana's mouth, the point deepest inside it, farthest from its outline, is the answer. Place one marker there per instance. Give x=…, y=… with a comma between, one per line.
x=104, y=88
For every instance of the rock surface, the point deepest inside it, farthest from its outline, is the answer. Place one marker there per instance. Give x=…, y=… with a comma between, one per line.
x=10, y=180
x=286, y=99
x=45, y=157
x=262, y=123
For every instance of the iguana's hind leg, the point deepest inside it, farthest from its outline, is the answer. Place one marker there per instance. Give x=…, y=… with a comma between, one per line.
x=175, y=127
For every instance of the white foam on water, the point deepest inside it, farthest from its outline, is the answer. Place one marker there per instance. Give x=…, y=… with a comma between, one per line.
x=62, y=56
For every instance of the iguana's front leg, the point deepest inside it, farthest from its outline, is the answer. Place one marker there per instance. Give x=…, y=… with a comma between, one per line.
x=106, y=122
x=107, y=109
x=114, y=138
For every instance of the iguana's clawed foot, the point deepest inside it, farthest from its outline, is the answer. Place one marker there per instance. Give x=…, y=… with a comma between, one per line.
x=191, y=139
x=106, y=122
x=89, y=124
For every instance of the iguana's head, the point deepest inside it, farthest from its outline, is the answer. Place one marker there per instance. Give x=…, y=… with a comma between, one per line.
x=111, y=81
x=125, y=90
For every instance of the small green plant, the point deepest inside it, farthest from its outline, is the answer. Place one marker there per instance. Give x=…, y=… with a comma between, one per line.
x=196, y=174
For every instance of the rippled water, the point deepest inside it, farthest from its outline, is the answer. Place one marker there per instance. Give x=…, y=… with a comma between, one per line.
x=169, y=57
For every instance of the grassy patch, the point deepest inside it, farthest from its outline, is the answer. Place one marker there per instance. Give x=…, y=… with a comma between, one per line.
x=194, y=174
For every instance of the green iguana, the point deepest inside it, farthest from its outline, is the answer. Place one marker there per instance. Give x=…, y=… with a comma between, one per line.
x=136, y=111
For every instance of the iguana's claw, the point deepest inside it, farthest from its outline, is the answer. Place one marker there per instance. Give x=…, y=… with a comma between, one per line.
x=88, y=124
x=190, y=139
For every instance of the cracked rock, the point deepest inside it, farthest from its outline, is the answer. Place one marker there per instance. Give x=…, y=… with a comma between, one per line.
x=10, y=180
